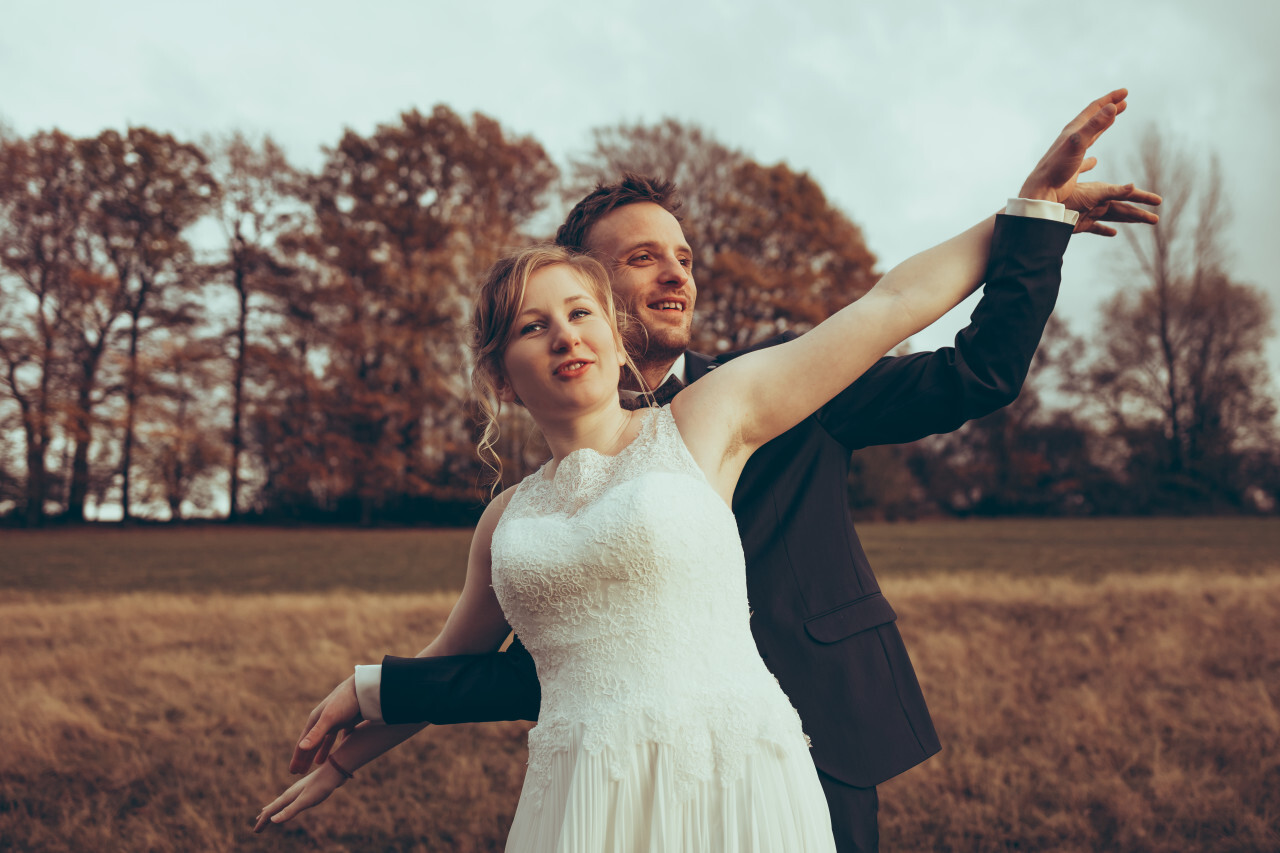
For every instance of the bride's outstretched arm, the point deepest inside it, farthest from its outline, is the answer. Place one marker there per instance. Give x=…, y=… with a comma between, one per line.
x=475, y=626
x=760, y=395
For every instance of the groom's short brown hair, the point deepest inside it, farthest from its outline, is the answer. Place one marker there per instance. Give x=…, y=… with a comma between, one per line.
x=606, y=198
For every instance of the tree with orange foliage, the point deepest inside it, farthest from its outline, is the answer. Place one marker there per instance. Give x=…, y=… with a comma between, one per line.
x=147, y=189
x=41, y=195
x=256, y=202
x=402, y=223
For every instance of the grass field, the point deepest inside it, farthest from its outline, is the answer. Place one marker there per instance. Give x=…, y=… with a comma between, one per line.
x=253, y=561
x=1098, y=685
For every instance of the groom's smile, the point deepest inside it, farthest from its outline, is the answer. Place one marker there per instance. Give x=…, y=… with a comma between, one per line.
x=652, y=272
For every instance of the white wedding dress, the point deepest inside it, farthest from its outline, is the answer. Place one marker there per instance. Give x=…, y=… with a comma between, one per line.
x=660, y=727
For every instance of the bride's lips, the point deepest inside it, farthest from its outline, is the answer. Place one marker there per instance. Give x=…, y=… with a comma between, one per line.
x=572, y=368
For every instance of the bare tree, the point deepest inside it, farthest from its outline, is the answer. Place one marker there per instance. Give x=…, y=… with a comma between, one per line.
x=1182, y=357
x=256, y=202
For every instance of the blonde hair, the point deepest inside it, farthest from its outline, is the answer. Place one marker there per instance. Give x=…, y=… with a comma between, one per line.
x=494, y=326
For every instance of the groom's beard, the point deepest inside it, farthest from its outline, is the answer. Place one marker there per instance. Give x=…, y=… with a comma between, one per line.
x=653, y=365
x=654, y=350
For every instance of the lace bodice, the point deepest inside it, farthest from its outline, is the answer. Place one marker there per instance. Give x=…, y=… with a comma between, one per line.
x=624, y=577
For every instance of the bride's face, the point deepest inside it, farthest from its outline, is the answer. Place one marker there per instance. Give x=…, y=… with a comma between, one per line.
x=564, y=352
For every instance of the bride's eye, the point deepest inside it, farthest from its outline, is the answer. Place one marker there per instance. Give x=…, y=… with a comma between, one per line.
x=579, y=313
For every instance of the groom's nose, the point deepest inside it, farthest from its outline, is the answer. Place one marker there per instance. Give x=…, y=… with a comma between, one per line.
x=673, y=273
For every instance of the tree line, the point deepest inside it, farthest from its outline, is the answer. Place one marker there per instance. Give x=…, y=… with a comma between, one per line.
x=194, y=328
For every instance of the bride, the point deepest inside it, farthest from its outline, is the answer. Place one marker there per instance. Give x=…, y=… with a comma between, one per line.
x=619, y=565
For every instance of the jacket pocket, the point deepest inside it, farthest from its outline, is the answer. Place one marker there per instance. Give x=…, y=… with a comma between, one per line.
x=859, y=615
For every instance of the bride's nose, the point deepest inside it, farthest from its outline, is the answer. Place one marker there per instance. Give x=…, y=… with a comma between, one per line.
x=566, y=337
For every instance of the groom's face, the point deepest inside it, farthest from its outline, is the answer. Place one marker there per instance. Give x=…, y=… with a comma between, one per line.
x=651, y=266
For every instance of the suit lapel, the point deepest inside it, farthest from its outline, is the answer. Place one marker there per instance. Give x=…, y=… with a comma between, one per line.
x=696, y=365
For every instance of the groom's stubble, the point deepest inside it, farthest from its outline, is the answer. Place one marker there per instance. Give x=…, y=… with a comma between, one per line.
x=651, y=269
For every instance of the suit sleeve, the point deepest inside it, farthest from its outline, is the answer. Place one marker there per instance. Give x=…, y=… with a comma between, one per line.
x=904, y=398
x=461, y=688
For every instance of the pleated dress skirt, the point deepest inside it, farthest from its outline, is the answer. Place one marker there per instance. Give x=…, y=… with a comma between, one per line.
x=774, y=804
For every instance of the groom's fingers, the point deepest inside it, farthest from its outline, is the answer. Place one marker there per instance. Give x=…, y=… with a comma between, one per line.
x=303, y=755
x=312, y=718
x=326, y=744
x=301, y=760
x=316, y=741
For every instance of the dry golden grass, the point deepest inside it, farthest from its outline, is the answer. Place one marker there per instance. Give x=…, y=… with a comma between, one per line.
x=163, y=722
x=1127, y=712
x=1137, y=714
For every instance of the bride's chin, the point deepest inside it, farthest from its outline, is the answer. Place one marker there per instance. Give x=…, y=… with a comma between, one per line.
x=570, y=405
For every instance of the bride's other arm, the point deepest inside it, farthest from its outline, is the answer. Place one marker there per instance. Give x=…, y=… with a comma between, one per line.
x=475, y=625
x=345, y=706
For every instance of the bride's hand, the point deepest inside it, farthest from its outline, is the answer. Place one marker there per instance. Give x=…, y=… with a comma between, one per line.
x=311, y=790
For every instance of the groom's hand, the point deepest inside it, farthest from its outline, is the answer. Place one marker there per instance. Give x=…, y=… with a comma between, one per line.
x=339, y=713
x=1056, y=176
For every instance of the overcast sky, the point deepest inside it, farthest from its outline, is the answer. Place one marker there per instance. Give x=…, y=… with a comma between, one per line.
x=917, y=118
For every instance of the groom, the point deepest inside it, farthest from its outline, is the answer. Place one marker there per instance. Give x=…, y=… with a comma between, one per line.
x=821, y=623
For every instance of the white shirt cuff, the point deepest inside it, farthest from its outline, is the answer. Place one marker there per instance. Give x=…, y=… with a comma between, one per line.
x=1038, y=208
x=369, y=691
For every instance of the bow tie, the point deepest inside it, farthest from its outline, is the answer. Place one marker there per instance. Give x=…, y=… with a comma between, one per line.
x=665, y=394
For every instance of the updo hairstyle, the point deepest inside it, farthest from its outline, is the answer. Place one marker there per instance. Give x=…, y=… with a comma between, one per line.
x=497, y=307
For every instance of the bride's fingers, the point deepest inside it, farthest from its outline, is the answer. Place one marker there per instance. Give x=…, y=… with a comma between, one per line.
x=307, y=798
x=277, y=805
x=1119, y=211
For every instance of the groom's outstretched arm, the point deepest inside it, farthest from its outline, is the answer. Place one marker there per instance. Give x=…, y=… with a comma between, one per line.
x=460, y=688
x=904, y=398
x=442, y=690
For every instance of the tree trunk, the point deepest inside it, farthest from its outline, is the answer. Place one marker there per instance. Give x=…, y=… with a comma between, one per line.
x=36, y=479
x=237, y=410
x=82, y=434
x=131, y=402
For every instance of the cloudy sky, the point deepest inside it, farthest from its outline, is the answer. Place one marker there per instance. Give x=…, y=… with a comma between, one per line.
x=917, y=118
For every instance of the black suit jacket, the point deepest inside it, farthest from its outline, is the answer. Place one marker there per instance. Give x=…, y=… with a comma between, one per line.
x=821, y=623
